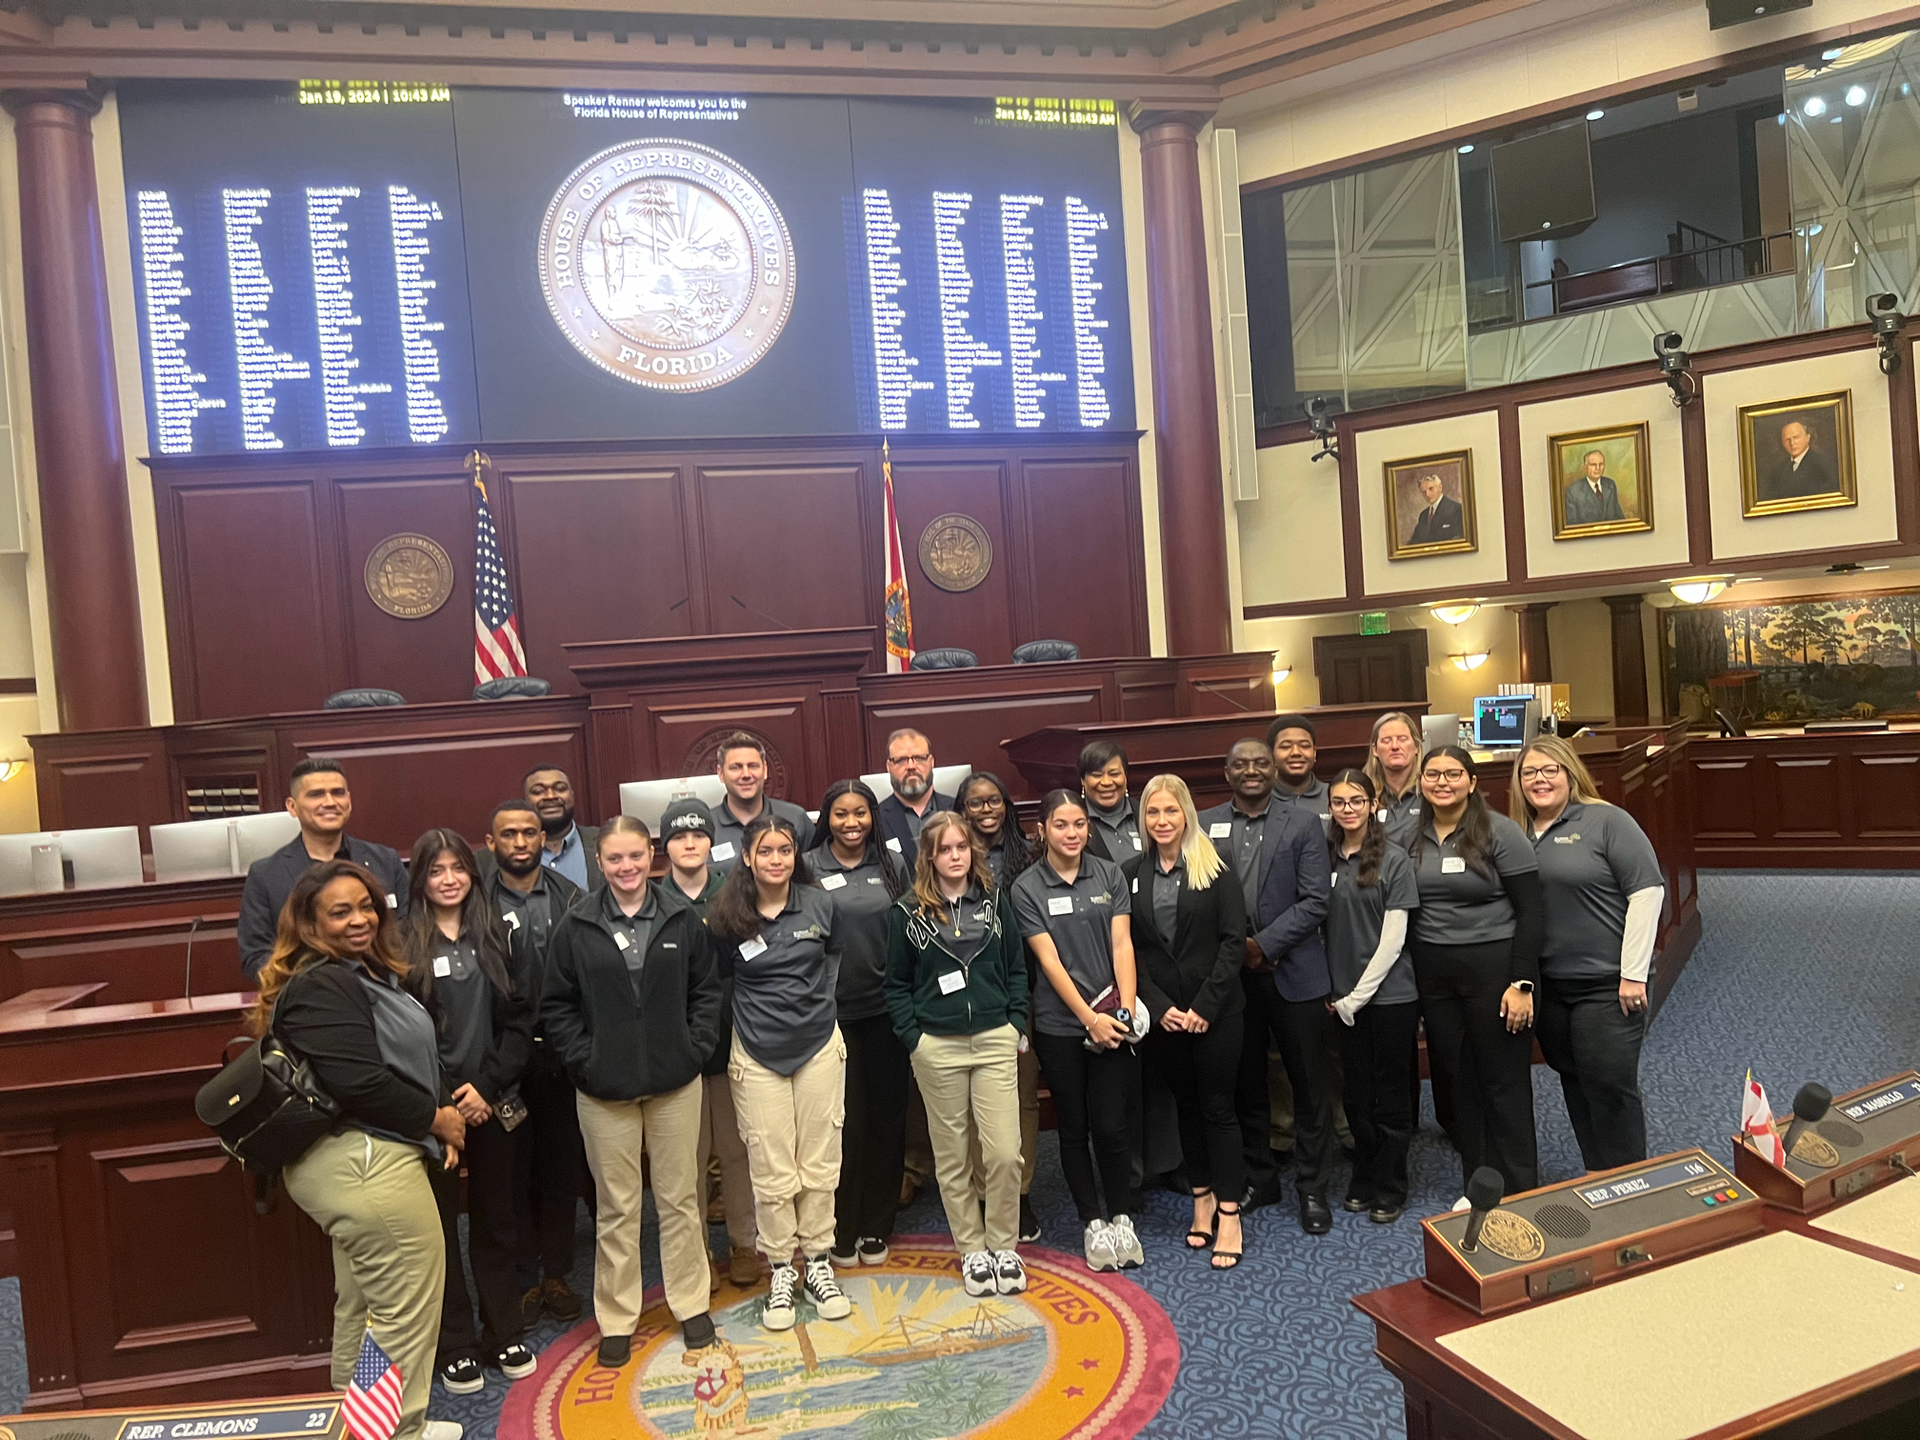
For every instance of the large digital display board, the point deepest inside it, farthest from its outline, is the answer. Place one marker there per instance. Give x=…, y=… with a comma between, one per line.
x=322, y=267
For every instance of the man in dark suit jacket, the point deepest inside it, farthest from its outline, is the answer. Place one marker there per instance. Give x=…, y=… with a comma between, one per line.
x=1798, y=471
x=1286, y=927
x=1593, y=498
x=913, y=798
x=319, y=799
x=1442, y=519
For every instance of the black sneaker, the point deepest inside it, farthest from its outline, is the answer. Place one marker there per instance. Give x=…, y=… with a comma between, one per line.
x=615, y=1351
x=1029, y=1222
x=463, y=1376
x=516, y=1361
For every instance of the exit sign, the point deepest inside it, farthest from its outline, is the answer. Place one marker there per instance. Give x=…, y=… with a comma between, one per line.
x=1374, y=622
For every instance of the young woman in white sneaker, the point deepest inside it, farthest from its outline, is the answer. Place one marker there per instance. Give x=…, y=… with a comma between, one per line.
x=789, y=1063
x=1075, y=914
x=957, y=991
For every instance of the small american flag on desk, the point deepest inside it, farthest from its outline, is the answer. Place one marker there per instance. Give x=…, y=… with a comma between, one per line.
x=372, y=1404
x=496, y=629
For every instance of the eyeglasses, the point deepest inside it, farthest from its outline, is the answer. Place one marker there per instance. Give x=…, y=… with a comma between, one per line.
x=1359, y=802
x=1449, y=777
x=985, y=802
x=1542, y=772
x=893, y=760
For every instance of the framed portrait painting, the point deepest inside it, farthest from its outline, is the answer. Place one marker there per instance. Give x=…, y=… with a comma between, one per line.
x=1601, y=484
x=1797, y=455
x=1430, y=506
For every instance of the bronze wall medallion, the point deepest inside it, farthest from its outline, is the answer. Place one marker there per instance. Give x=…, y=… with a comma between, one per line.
x=955, y=553
x=409, y=576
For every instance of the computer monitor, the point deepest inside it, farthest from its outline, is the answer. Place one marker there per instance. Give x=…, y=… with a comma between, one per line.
x=19, y=874
x=1505, y=722
x=947, y=780
x=647, y=800
x=195, y=850
x=107, y=856
x=1438, y=730
x=260, y=835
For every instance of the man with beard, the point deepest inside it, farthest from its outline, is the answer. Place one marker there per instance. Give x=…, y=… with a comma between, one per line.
x=910, y=773
x=570, y=848
x=531, y=897
x=742, y=768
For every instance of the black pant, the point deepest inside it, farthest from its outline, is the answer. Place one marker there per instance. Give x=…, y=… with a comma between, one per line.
x=490, y=1159
x=873, y=1144
x=1377, y=1055
x=1596, y=1051
x=1299, y=1032
x=1202, y=1071
x=1095, y=1091
x=1488, y=1068
x=552, y=1161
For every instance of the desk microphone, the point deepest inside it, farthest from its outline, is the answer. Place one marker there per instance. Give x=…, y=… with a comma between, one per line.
x=1810, y=1107
x=1484, y=1191
x=761, y=613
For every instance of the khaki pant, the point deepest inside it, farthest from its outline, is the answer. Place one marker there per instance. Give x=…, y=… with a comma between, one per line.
x=375, y=1202
x=614, y=1131
x=720, y=1138
x=792, y=1125
x=972, y=1089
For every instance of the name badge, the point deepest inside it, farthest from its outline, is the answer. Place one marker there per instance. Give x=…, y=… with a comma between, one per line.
x=875, y=880
x=1452, y=865
x=721, y=852
x=1136, y=884
x=1333, y=879
x=1326, y=814
x=622, y=941
x=953, y=980
x=833, y=882
x=1381, y=815
x=1060, y=905
x=511, y=917
x=1136, y=841
x=753, y=949
x=442, y=966
x=1220, y=830
x=893, y=844
x=393, y=901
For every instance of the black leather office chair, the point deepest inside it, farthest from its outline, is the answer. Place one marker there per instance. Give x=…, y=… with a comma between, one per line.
x=362, y=698
x=950, y=658
x=512, y=687
x=1040, y=652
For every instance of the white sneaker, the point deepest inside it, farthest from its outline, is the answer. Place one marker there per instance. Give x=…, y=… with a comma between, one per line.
x=828, y=1298
x=441, y=1430
x=1099, y=1244
x=1009, y=1275
x=1126, y=1244
x=777, y=1312
x=976, y=1267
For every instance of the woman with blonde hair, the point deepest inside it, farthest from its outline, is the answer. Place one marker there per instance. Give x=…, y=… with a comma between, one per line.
x=957, y=990
x=1393, y=765
x=333, y=992
x=1604, y=892
x=1189, y=937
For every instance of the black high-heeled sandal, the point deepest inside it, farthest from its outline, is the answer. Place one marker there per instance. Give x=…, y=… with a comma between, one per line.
x=1205, y=1237
x=1231, y=1257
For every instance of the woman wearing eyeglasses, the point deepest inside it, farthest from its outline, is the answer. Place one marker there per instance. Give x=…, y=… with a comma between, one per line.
x=1604, y=891
x=1476, y=958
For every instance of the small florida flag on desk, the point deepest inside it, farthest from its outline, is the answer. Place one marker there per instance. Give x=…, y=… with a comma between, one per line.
x=496, y=630
x=1756, y=1119
x=372, y=1404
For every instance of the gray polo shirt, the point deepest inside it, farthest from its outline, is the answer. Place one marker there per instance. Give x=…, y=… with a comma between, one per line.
x=636, y=930
x=729, y=831
x=1240, y=839
x=1313, y=798
x=1458, y=904
x=533, y=913
x=783, y=982
x=461, y=993
x=1401, y=817
x=1164, y=887
x=1591, y=859
x=1120, y=828
x=860, y=905
x=1079, y=920
x=1354, y=917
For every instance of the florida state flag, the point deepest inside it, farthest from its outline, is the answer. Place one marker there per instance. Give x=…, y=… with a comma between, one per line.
x=1756, y=1119
x=899, y=610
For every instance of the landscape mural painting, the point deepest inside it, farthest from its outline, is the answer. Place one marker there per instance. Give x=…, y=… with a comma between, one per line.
x=1789, y=661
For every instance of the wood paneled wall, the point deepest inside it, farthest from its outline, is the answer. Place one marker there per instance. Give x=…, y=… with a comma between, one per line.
x=267, y=610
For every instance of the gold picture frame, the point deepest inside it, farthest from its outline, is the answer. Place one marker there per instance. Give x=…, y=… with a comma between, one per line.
x=1421, y=522
x=1773, y=481
x=1619, y=501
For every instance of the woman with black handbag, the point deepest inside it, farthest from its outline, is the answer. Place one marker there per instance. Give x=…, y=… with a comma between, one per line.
x=471, y=972
x=331, y=992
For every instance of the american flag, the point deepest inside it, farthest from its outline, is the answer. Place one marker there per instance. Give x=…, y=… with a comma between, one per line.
x=372, y=1405
x=898, y=611
x=496, y=630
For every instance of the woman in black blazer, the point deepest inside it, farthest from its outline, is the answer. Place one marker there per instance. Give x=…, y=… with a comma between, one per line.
x=1189, y=935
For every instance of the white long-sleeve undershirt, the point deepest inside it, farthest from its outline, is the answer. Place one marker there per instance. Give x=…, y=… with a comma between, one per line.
x=1641, y=930
x=1393, y=938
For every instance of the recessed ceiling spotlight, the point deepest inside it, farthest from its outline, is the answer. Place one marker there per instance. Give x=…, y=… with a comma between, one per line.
x=1466, y=149
x=1596, y=114
x=1833, y=54
x=1814, y=106
x=1856, y=94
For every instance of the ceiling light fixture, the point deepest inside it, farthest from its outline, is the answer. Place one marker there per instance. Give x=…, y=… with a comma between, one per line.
x=1466, y=149
x=10, y=768
x=1455, y=612
x=1700, y=589
x=1856, y=95
x=1596, y=114
x=1833, y=54
x=1472, y=661
x=1814, y=106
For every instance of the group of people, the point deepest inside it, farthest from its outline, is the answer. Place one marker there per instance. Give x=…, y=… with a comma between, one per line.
x=771, y=1008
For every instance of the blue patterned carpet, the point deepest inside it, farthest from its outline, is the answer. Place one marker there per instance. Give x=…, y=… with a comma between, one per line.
x=1800, y=976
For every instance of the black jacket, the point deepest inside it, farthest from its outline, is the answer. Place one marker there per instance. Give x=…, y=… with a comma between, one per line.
x=617, y=1044
x=324, y=1015
x=1292, y=902
x=512, y=1045
x=271, y=879
x=897, y=822
x=1202, y=971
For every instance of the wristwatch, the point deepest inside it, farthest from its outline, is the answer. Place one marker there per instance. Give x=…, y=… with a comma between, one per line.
x=1525, y=987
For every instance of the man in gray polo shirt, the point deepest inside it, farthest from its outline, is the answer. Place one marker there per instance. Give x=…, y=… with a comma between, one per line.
x=742, y=768
x=1295, y=749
